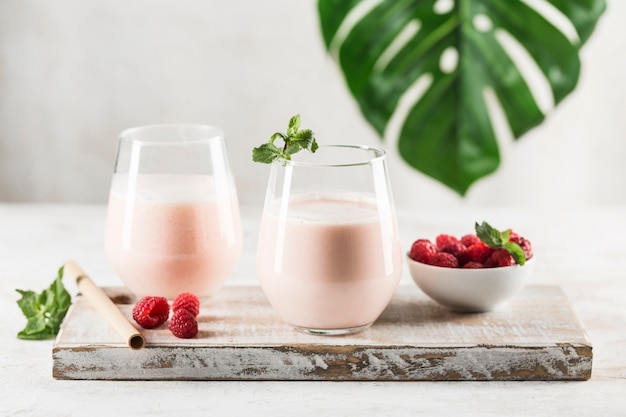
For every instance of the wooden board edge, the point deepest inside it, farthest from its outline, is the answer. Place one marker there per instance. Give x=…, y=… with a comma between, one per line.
x=559, y=362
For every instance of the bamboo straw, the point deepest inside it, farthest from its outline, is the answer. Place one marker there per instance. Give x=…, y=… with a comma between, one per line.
x=103, y=305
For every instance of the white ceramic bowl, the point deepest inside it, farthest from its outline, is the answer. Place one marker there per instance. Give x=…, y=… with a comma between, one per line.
x=470, y=290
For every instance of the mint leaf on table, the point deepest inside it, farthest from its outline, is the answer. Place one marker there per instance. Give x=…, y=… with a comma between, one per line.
x=495, y=239
x=44, y=311
x=294, y=141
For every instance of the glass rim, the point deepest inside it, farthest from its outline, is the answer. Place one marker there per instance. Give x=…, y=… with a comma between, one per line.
x=379, y=154
x=132, y=134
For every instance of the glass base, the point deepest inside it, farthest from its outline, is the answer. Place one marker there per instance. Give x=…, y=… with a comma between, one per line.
x=332, y=332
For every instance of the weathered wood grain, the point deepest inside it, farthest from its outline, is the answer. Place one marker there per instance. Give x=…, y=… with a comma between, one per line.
x=534, y=337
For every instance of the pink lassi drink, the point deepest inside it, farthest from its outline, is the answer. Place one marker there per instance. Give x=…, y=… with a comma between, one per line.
x=167, y=234
x=328, y=261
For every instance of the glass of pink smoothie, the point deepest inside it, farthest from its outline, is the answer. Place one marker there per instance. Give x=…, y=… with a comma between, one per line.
x=329, y=257
x=173, y=221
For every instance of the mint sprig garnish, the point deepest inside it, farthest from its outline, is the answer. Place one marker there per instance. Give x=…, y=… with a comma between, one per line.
x=495, y=239
x=293, y=140
x=44, y=311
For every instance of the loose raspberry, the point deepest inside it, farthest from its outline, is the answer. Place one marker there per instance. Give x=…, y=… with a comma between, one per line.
x=500, y=258
x=526, y=247
x=444, y=240
x=422, y=250
x=188, y=301
x=478, y=252
x=444, y=259
x=183, y=324
x=469, y=240
x=151, y=312
x=473, y=265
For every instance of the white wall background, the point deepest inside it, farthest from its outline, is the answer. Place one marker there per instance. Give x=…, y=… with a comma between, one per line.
x=73, y=74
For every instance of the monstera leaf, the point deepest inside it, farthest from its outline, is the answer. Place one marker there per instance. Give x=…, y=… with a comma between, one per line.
x=442, y=59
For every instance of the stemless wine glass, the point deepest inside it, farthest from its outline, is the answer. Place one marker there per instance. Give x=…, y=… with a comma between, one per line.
x=329, y=257
x=173, y=220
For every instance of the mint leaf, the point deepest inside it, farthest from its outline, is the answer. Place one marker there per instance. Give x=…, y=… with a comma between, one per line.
x=304, y=138
x=489, y=235
x=276, y=136
x=516, y=252
x=495, y=239
x=266, y=153
x=45, y=311
x=293, y=141
x=294, y=125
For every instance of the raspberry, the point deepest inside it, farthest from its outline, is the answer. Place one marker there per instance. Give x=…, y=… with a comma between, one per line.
x=499, y=258
x=514, y=237
x=455, y=248
x=183, y=324
x=151, y=312
x=444, y=240
x=473, y=265
x=188, y=301
x=469, y=240
x=444, y=259
x=526, y=247
x=478, y=252
x=422, y=250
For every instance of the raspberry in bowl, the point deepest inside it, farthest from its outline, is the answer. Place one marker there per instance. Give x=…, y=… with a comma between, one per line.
x=473, y=273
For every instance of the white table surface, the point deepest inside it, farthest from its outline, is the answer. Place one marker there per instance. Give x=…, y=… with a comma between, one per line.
x=583, y=250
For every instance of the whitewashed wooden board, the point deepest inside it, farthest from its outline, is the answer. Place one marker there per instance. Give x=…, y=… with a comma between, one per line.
x=536, y=336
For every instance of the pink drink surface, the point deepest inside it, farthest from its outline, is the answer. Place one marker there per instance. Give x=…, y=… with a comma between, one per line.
x=330, y=264
x=172, y=236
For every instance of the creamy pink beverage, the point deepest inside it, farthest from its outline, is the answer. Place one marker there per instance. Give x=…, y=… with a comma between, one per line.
x=330, y=263
x=167, y=234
